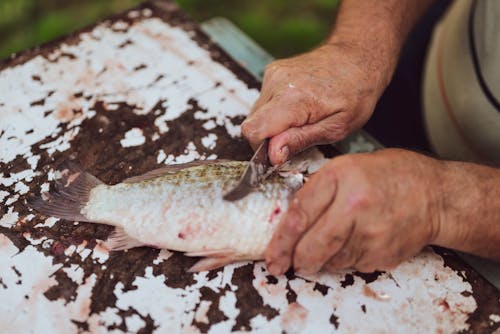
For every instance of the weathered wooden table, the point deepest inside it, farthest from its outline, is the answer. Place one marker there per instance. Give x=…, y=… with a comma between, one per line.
x=148, y=88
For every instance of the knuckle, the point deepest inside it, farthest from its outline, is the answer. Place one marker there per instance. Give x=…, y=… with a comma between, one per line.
x=299, y=140
x=343, y=259
x=332, y=240
x=296, y=220
x=306, y=261
x=373, y=231
x=274, y=253
x=346, y=163
x=272, y=67
x=361, y=198
x=337, y=128
x=358, y=202
x=246, y=129
x=301, y=253
x=384, y=260
x=340, y=132
x=328, y=174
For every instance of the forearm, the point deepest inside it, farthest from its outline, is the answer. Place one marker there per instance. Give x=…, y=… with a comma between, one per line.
x=470, y=209
x=380, y=27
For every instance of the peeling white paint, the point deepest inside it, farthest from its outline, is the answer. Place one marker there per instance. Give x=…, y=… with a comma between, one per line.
x=44, y=187
x=21, y=188
x=162, y=256
x=190, y=154
x=27, y=304
x=49, y=222
x=495, y=317
x=209, y=125
x=201, y=312
x=9, y=219
x=133, y=137
x=402, y=300
x=12, y=199
x=98, y=322
x=106, y=73
x=134, y=323
x=33, y=241
x=26, y=175
x=100, y=254
x=3, y=194
x=161, y=156
x=209, y=141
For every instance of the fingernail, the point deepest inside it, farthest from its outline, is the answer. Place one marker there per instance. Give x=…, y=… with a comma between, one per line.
x=248, y=124
x=275, y=269
x=284, y=152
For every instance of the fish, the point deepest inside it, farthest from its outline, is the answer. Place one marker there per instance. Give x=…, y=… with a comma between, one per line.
x=179, y=208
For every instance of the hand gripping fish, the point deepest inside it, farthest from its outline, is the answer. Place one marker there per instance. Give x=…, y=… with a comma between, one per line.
x=178, y=207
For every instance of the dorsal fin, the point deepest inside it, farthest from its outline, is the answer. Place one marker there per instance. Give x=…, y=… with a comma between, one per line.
x=169, y=169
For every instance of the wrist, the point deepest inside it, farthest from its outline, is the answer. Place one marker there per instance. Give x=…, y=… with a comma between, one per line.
x=377, y=62
x=466, y=210
x=442, y=233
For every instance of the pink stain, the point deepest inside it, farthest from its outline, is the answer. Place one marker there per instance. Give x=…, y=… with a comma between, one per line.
x=57, y=248
x=4, y=241
x=276, y=212
x=85, y=308
x=294, y=317
x=65, y=111
x=191, y=229
x=368, y=292
x=273, y=289
x=444, y=305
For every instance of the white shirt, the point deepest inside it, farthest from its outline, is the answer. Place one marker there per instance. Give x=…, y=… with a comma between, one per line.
x=461, y=92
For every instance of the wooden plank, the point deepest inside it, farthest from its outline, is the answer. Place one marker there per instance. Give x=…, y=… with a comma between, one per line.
x=141, y=90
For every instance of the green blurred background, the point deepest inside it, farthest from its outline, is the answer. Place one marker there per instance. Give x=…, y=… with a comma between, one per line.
x=282, y=27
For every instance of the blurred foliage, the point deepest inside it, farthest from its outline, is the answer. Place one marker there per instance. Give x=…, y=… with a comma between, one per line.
x=283, y=27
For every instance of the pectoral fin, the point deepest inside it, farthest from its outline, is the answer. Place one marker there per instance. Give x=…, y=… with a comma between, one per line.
x=213, y=259
x=120, y=240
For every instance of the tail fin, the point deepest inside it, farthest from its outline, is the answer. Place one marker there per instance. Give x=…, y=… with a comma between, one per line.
x=71, y=195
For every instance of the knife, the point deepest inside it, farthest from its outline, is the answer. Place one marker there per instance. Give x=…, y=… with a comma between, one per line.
x=258, y=169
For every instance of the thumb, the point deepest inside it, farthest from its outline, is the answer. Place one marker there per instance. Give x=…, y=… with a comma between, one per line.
x=296, y=139
x=292, y=141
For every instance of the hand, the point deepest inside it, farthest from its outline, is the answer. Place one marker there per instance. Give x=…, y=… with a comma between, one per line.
x=315, y=98
x=364, y=211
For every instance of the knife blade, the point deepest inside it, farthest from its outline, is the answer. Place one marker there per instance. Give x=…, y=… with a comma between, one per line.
x=258, y=169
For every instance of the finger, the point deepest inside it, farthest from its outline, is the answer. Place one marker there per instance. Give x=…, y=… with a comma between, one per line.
x=388, y=253
x=295, y=140
x=379, y=260
x=323, y=240
x=277, y=115
x=248, y=130
x=268, y=89
x=349, y=255
x=309, y=203
x=265, y=96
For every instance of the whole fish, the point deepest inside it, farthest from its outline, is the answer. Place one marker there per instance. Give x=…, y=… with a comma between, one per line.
x=178, y=207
